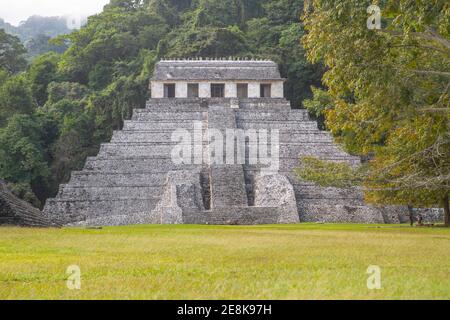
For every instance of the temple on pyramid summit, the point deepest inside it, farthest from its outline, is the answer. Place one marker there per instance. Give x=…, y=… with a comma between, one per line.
x=216, y=144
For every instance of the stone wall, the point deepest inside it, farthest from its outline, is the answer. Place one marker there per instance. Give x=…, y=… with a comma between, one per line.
x=157, y=88
x=16, y=212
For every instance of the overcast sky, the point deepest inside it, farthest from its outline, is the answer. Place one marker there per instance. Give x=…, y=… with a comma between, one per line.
x=14, y=11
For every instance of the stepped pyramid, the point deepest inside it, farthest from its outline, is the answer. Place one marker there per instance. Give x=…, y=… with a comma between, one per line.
x=135, y=180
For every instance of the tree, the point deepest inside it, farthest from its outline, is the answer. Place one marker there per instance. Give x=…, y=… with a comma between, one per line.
x=390, y=90
x=319, y=105
x=277, y=35
x=36, y=26
x=42, y=44
x=11, y=53
x=73, y=146
x=24, y=153
x=3, y=76
x=42, y=71
x=58, y=91
x=209, y=42
x=15, y=97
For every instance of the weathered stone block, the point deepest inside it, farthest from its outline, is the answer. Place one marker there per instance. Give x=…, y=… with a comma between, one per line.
x=275, y=191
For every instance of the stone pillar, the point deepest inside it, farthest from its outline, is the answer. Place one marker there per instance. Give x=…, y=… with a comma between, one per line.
x=204, y=90
x=230, y=90
x=157, y=90
x=278, y=89
x=181, y=89
x=254, y=90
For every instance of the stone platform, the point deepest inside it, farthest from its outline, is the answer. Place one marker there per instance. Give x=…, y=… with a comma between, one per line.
x=133, y=179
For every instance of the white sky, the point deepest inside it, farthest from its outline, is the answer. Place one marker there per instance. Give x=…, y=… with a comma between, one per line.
x=15, y=11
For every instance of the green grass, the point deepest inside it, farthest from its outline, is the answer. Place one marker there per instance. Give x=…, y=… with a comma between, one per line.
x=305, y=261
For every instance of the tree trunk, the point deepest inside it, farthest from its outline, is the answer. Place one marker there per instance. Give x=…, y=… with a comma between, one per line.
x=411, y=215
x=445, y=205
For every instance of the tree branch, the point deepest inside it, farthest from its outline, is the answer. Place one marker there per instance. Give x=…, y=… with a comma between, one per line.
x=432, y=72
x=429, y=35
x=438, y=38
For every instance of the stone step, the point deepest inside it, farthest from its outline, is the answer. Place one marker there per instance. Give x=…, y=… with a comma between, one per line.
x=142, y=136
x=205, y=143
x=228, y=186
x=233, y=216
x=114, y=150
x=202, y=104
x=25, y=221
x=16, y=212
x=182, y=111
x=136, y=151
x=311, y=192
x=264, y=103
x=176, y=110
x=195, y=114
x=103, y=193
x=298, y=116
x=160, y=125
x=331, y=201
x=306, y=137
x=164, y=150
x=67, y=212
x=120, y=146
x=261, y=105
x=166, y=136
x=221, y=123
x=329, y=213
x=148, y=115
x=265, y=108
x=278, y=125
x=173, y=101
x=158, y=164
x=151, y=137
x=113, y=179
x=148, y=178
x=174, y=107
x=135, y=165
x=315, y=150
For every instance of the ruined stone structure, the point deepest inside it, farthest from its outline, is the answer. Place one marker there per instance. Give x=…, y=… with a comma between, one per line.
x=16, y=212
x=135, y=180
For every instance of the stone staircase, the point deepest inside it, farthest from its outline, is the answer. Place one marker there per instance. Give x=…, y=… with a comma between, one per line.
x=299, y=136
x=126, y=182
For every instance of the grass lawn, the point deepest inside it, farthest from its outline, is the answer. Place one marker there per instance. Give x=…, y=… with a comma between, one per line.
x=306, y=261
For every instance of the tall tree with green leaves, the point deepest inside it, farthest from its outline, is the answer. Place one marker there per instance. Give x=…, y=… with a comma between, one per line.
x=15, y=98
x=390, y=91
x=24, y=155
x=11, y=53
x=42, y=71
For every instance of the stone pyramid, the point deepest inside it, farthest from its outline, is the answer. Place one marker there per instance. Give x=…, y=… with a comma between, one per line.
x=16, y=212
x=134, y=179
